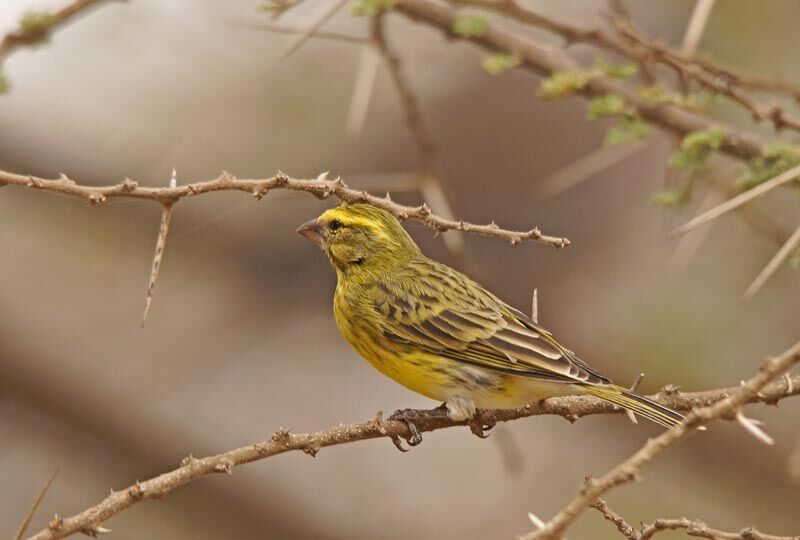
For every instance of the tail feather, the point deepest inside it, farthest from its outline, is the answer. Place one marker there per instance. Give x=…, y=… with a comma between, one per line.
x=644, y=407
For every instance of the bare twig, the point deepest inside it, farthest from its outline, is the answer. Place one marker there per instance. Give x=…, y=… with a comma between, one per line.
x=699, y=529
x=321, y=187
x=772, y=266
x=569, y=407
x=35, y=505
x=329, y=12
x=739, y=200
x=319, y=34
x=692, y=528
x=628, y=470
x=587, y=166
x=619, y=522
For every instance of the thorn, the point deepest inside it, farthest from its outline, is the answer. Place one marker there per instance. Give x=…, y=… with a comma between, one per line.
x=536, y=520
x=95, y=530
x=173, y=181
x=136, y=491
x=55, y=523
x=752, y=427
x=633, y=388
x=388, y=197
x=64, y=178
x=226, y=177
x=128, y=184
x=535, y=306
x=96, y=198
x=225, y=466
x=281, y=179
x=311, y=450
x=322, y=177
x=280, y=436
x=161, y=242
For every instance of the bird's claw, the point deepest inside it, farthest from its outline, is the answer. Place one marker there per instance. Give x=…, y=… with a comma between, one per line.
x=482, y=423
x=408, y=417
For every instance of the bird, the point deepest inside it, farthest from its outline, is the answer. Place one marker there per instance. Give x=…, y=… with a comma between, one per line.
x=439, y=333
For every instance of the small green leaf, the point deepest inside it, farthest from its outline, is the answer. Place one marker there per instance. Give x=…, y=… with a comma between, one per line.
x=35, y=25
x=617, y=71
x=561, y=84
x=603, y=106
x=470, y=26
x=668, y=198
x=370, y=8
x=3, y=83
x=778, y=157
x=794, y=260
x=629, y=130
x=499, y=63
x=695, y=149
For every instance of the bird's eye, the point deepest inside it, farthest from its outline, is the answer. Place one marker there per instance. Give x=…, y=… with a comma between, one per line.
x=335, y=225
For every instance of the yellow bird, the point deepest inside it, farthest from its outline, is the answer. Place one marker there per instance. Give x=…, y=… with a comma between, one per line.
x=438, y=333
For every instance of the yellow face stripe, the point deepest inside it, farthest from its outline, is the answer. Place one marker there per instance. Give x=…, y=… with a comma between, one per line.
x=350, y=220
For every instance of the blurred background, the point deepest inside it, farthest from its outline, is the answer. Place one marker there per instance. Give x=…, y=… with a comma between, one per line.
x=240, y=338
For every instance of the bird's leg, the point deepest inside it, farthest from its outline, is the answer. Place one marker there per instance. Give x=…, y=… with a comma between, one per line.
x=483, y=421
x=410, y=417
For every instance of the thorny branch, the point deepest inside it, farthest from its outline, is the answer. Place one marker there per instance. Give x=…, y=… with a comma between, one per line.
x=321, y=187
x=714, y=403
x=628, y=470
x=692, y=527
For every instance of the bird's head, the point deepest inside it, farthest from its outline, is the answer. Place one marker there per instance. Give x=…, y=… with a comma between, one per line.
x=358, y=237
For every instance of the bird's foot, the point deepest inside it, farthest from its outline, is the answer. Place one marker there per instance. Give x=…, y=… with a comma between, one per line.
x=482, y=423
x=411, y=417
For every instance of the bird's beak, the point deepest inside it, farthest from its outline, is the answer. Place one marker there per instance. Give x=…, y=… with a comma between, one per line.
x=311, y=230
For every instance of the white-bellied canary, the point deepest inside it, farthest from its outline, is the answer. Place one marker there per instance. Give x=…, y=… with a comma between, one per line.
x=438, y=333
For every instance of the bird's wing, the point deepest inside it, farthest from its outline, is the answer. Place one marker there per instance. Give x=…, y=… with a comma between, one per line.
x=442, y=311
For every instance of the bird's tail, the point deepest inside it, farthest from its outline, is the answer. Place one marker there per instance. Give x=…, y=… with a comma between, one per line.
x=644, y=407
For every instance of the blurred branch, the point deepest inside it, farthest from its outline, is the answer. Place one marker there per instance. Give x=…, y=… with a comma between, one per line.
x=692, y=527
x=35, y=27
x=429, y=181
x=628, y=470
x=633, y=43
x=321, y=187
x=739, y=200
x=690, y=70
x=319, y=34
x=696, y=26
x=546, y=60
x=35, y=505
x=772, y=266
x=720, y=403
x=329, y=12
